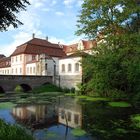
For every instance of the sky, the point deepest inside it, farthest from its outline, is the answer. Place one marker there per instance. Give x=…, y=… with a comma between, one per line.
x=55, y=19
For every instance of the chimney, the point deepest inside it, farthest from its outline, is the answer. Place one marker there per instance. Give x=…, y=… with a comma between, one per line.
x=46, y=38
x=33, y=35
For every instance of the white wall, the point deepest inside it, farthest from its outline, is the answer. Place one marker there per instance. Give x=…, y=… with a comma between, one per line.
x=71, y=61
x=5, y=71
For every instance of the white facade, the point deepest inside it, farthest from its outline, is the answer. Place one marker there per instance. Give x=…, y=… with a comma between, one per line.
x=70, y=66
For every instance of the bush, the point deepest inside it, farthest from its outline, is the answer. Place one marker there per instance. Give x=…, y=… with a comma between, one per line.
x=18, y=89
x=66, y=90
x=13, y=132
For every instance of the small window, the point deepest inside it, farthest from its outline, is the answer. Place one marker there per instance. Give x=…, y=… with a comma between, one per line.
x=69, y=116
x=69, y=67
x=16, y=58
x=30, y=70
x=20, y=70
x=76, y=67
x=76, y=119
x=16, y=71
x=63, y=68
x=62, y=114
x=20, y=57
x=33, y=70
x=46, y=66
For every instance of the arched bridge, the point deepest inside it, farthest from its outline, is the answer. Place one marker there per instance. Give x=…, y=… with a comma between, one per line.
x=9, y=82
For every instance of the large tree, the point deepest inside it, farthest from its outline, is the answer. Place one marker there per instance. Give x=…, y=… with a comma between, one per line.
x=115, y=70
x=108, y=16
x=8, y=11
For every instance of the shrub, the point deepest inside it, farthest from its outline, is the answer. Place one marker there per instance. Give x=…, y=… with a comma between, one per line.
x=18, y=89
x=13, y=132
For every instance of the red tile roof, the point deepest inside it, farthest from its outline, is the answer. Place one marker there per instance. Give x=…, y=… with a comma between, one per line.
x=77, y=54
x=5, y=62
x=39, y=46
x=74, y=47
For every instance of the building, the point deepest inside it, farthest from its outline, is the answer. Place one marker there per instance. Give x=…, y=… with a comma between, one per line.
x=35, y=57
x=41, y=57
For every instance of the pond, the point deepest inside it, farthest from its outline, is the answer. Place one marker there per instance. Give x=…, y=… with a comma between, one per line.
x=70, y=118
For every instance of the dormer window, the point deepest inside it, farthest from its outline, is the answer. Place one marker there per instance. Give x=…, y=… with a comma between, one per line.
x=80, y=45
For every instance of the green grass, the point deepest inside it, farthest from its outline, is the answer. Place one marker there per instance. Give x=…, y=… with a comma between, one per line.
x=46, y=88
x=78, y=132
x=119, y=104
x=13, y=132
x=88, y=98
x=6, y=105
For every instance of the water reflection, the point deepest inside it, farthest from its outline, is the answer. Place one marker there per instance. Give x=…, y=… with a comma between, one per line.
x=36, y=116
x=58, y=118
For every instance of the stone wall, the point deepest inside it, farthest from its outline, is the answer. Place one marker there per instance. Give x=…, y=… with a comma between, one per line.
x=68, y=81
x=9, y=82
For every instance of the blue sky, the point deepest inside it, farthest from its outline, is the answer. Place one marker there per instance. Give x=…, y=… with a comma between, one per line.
x=53, y=18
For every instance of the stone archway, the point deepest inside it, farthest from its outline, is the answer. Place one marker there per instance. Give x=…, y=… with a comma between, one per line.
x=26, y=87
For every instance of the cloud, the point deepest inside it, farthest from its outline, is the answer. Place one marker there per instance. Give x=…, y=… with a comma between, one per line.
x=59, y=13
x=54, y=2
x=71, y=3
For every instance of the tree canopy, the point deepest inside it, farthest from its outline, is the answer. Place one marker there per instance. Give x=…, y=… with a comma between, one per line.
x=115, y=70
x=108, y=16
x=8, y=11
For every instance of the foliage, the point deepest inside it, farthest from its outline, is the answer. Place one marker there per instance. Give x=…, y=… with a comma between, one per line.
x=8, y=11
x=107, y=16
x=46, y=88
x=119, y=104
x=13, y=132
x=136, y=120
x=6, y=105
x=78, y=132
x=115, y=70
x=18, y=88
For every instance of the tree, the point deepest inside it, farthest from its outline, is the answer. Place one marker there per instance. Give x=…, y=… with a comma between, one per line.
x=115, y=70
x=8, y=9
x=106, y=16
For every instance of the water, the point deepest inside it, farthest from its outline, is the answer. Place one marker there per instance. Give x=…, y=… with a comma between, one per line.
x=60, y=119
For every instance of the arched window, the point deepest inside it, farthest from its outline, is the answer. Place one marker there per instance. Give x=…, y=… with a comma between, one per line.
x=63, y=68
x=69, y=67
x=77, y=66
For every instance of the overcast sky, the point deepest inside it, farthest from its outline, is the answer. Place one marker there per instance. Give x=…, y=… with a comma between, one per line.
x=53, y=18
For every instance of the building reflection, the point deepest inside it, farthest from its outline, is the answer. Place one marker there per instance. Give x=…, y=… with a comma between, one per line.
x=70, y=113
x=36, y=116
x=66, y=112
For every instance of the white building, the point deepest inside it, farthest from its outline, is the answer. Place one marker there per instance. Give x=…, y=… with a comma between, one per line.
x=41, y=57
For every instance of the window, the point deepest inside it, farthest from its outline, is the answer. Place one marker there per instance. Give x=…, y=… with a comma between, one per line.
x=76, y=119
x=46, y=66
x=16, y=58
x=12, y=71
x=20, y=70
x=16, y=71
x=69, y=116
x=76, y=67
x=20, y=57
x=63, y=68
x=34, y=70
x=12, y=60
x=30, y=70
x=69, y=67
x=62, y=114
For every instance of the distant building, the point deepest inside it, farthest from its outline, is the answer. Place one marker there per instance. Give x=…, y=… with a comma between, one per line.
x=41, y=57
